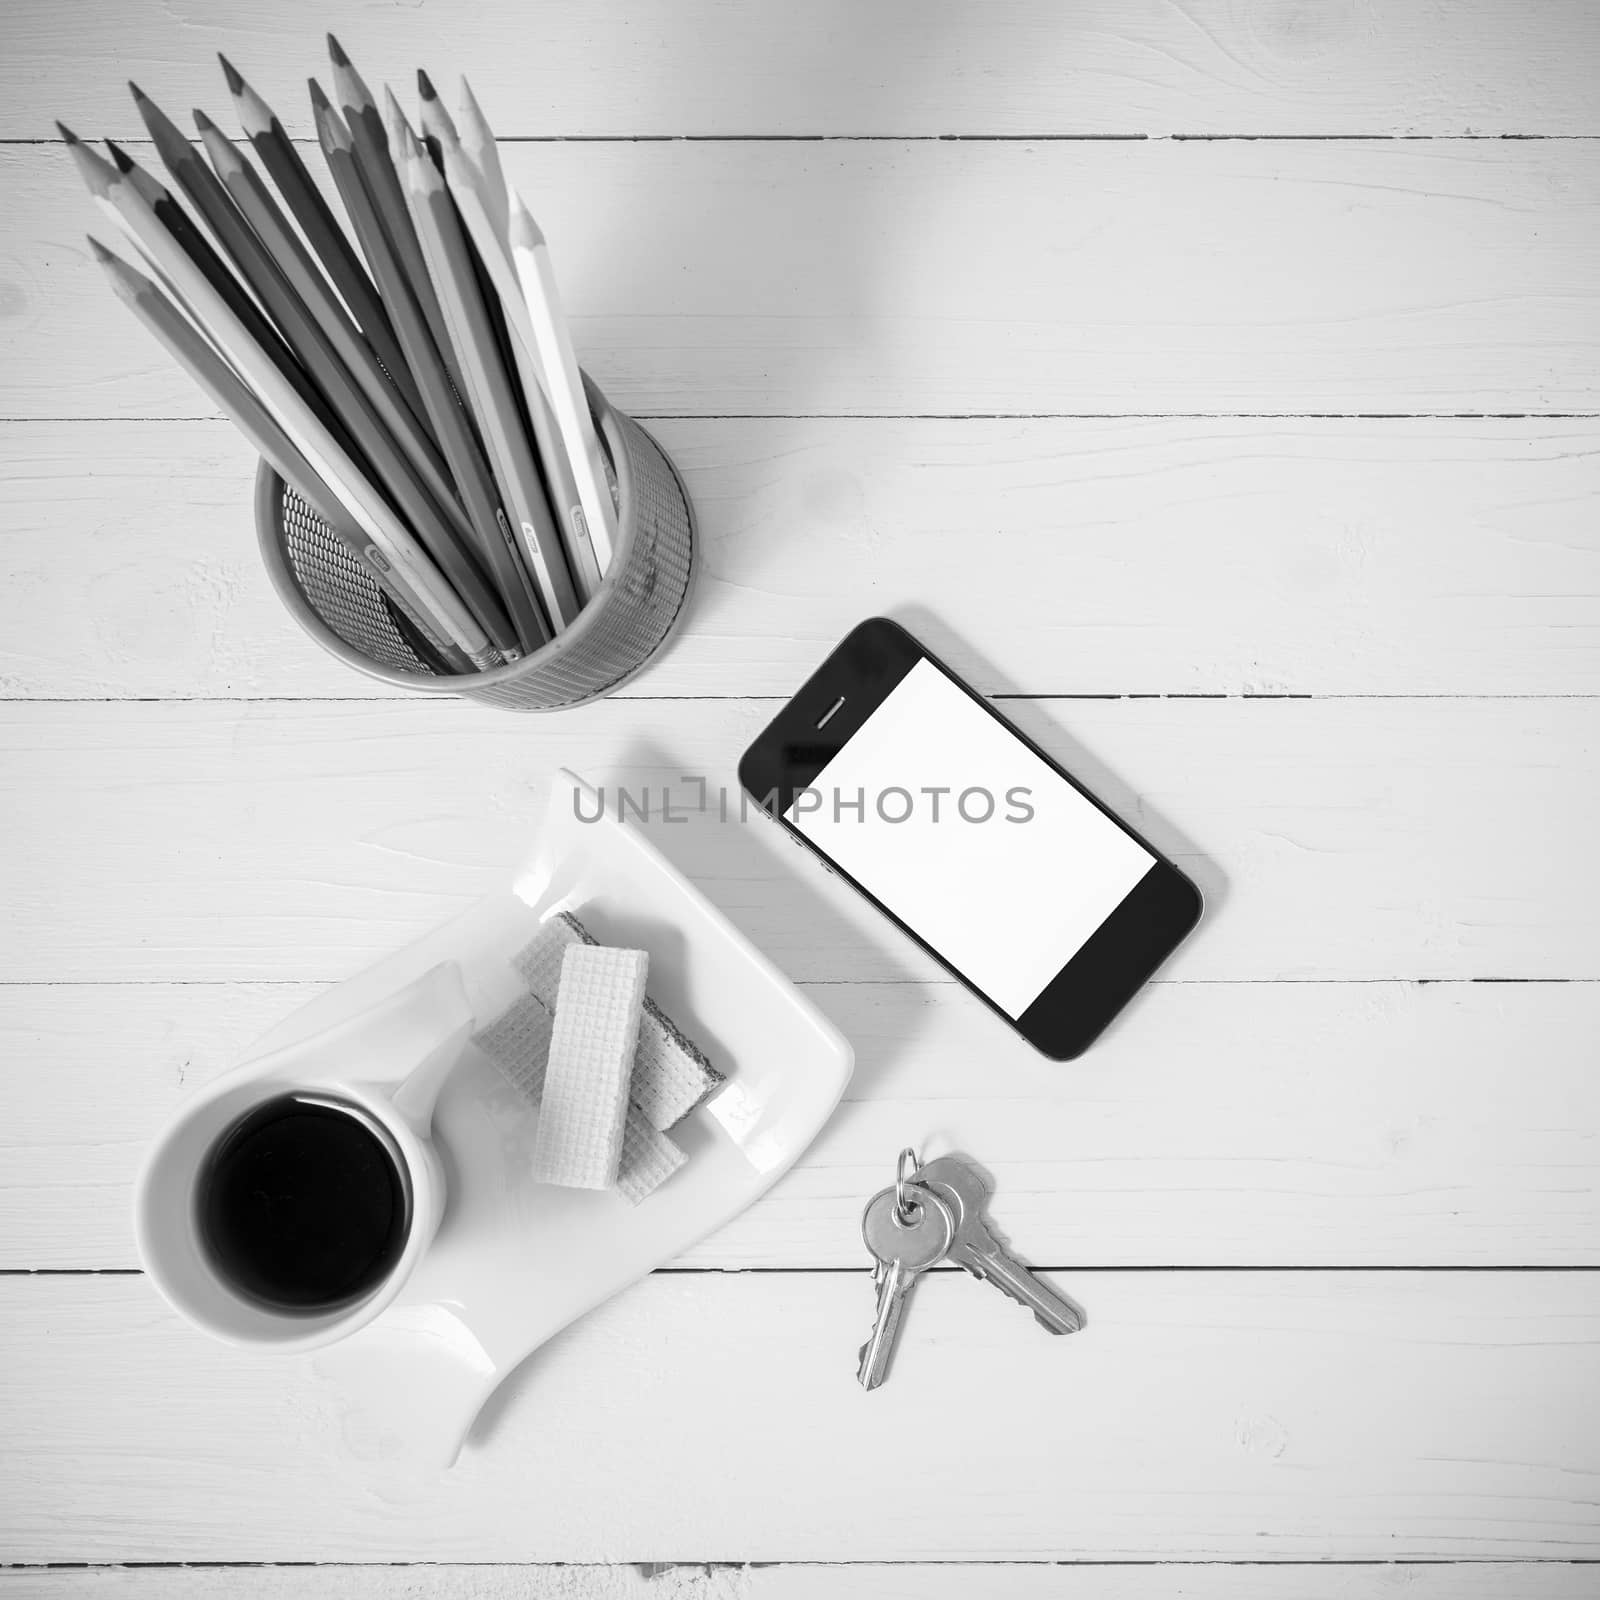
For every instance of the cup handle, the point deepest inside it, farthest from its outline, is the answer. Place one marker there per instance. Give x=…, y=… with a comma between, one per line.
x=415, y=1099
x=427, y=1022
x=437, y=1000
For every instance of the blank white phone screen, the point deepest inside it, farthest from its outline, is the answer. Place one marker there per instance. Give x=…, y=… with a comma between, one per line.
x=971, y=840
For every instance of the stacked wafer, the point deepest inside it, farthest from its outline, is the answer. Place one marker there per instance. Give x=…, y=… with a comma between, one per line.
x=609, y=1070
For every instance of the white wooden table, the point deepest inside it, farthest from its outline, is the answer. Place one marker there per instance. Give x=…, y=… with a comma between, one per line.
x=1261, y=372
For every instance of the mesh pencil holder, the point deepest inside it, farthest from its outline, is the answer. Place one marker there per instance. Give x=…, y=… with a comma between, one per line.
x=613, y=637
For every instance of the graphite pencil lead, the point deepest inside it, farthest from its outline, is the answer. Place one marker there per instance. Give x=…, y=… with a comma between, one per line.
x=336, y=53
x=409, y=151
x=101, y=254
x=524, y=230
x=168, y=136
x=437, y=127
x=150, y=186
x=256, y=117
x=477, y=139
x=331, y=131
x=224, y=153
x=424, y=87
x=94, y=169
x=203, y=122
x=236, y=84
x=351, y=87
x=67, y=134
x=421, y=174
x=393, y=116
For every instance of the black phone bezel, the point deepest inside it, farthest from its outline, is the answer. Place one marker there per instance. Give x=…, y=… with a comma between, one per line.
x=1118, y=959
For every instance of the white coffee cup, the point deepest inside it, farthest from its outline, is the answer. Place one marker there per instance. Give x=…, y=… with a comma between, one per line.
x=386, y=1065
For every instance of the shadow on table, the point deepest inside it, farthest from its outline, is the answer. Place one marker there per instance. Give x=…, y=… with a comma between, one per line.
x=724, y=859
x=731, y=862
x=1044, y=724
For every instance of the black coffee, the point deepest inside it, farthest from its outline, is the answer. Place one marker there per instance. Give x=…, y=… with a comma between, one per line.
x=304, y=1205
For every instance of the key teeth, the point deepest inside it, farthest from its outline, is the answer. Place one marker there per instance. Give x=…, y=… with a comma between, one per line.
x=992, y=1268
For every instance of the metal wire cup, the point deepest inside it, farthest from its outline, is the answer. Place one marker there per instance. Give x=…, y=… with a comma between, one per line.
x=623, y=625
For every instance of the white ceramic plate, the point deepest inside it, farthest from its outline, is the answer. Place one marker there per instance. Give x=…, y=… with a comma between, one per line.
x=515, y=1262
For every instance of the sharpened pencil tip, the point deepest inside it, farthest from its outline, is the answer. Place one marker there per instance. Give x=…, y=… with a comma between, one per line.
x=124, y=161
x=425, y=86
x=101, y=254
x=93, y=168
x=138, y=93
x=331, y=131
x=67, y=134
x=203, y=122
x=236, y=84
x=520, y=225
x=336, y=53
x=470, y=107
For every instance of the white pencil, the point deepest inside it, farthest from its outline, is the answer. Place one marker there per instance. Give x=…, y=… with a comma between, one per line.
x=477, y=139
x=531, y=258
x=468, y=190
x=327, y=456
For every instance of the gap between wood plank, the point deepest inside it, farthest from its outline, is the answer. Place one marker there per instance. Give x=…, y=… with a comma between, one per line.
x=806, y=983
x=991, y=138
x=731, y=699
x=658, y=1568
x=1074, y=1268
x=966, y=416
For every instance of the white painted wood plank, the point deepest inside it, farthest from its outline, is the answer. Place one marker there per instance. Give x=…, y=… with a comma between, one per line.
x=959, y=277
x=1328, y=557
x=1333, y=838
x=1224, y=1124
x=1484, y=1580
x=717, y=1417
x=837, y=67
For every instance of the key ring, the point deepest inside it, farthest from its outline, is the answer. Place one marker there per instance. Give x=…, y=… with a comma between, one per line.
x=905, y=1209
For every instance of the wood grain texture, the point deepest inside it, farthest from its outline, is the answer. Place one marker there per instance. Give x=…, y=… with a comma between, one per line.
x=840, y=67
x=895, y=311
x=1220, y=1125
x=960, y=277
x=1332, y=838
x=1428, y=556
x=1290, y=1416
x=1486, y=1580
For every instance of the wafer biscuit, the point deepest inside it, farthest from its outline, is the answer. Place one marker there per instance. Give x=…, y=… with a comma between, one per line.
x=592, y=1044
x=518, y=1042
x=538, y=963
x=671, y=1074
x=649, y=1158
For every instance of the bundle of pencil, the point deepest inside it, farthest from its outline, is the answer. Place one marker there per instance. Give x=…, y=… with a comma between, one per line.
x=412, y=379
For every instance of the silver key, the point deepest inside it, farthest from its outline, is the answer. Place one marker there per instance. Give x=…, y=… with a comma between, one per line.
x=978, y=1250
x=903, y=1250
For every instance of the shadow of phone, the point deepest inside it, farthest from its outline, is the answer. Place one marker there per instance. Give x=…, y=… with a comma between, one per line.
x=1036, y=717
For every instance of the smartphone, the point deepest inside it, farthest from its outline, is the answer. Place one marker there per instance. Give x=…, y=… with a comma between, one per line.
x=968, y=837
